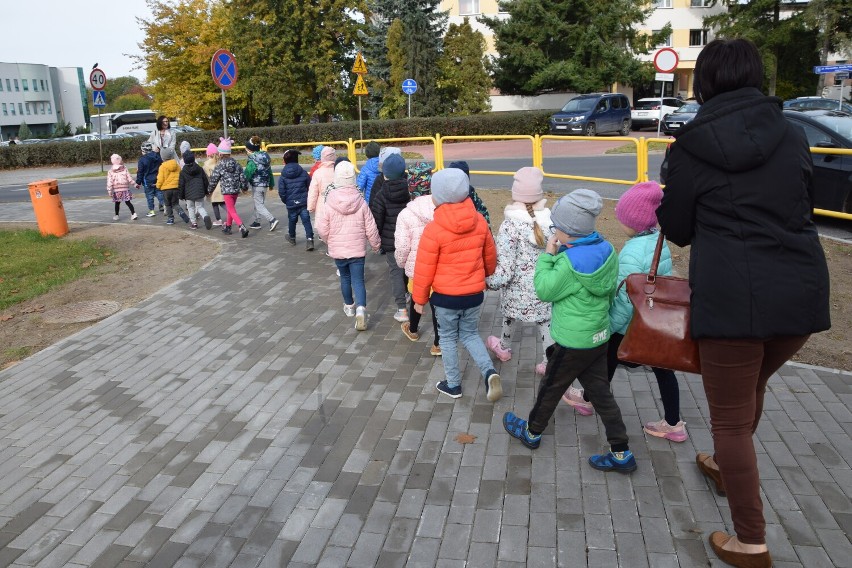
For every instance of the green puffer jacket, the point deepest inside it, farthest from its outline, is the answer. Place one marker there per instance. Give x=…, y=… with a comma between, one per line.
x=580, y=300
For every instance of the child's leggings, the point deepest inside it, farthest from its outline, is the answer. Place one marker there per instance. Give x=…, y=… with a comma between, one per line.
x=414, y=319
x=543, y=335
x=216, y=213
x=129, y=206
x=231, y=208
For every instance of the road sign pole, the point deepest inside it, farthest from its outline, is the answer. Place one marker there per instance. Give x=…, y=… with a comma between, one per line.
x=360, y=121
x=224, y=115
x=409, y=106
x=100, y=140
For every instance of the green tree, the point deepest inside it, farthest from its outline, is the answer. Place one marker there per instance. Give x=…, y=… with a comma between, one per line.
x=463, y=80
x=422, y=29
x=294, y=56
x=130, y=102
x=548, y=45
x=394, y=102
x=24, y=131
x=832, y=20
x=759, y=21
x=61, y=129
x=180, y=40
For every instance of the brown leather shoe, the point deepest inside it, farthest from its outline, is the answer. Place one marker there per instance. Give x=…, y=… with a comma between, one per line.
x=718, y=539
x=706, y=467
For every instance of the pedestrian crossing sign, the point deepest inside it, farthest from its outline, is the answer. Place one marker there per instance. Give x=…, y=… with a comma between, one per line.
x=98, y=99
x=360, y=67
x=360, y=87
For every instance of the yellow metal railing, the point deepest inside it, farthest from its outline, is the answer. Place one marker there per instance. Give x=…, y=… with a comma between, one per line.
x=641, y=158
x=439, y=156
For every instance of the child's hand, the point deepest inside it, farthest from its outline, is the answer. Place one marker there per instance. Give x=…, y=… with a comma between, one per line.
x=418, y=308
x=552, y=245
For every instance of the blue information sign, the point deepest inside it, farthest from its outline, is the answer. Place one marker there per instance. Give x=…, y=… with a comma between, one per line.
x=820, y=69
x=409, y=86
x=98, y=99
x=223, y=67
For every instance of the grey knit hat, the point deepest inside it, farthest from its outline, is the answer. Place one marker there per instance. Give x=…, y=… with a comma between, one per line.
x=575, y=213
x=449, y=186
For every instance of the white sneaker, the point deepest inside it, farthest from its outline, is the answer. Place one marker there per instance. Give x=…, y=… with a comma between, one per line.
x=115, y=217
x=360, y=318
x=151, y=213
x=134, y=217
x=401, y=315
x=349, y=310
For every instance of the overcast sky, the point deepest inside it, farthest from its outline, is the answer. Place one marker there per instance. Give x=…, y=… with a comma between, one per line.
x=74, y=33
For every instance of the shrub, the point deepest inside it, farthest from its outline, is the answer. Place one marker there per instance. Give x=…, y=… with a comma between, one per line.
x=495, y=124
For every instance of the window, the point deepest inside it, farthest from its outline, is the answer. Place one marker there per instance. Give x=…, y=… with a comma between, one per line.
x=5, y=110
x=26, y=84
x=27, y=105
x=12, y=106
x=662, y=4
x=43, y=86
x=468, y=7
x=42, y=107
x=699, y=3
x=16, y=85
x=815, y=135
x=1, y=85
x=48, y=109
x=21, y=109
x=8, y=85
x=666, y=41
x=697, y=37
x=35, y=84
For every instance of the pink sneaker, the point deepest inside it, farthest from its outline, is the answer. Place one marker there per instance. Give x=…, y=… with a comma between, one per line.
x=662, y=429
x=574, y=397
x=493, y=344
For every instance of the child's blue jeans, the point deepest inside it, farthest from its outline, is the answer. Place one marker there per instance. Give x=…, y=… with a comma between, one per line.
x=296, y=213
x=455, y=326
x=150, y=194
x=352, y=279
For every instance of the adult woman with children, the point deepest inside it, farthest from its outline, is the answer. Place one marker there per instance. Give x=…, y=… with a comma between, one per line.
x=738, y=190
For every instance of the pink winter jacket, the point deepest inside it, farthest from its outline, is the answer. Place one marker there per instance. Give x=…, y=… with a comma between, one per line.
x=345, y=221
x=119, y=179
x=409, y=226
x=322, y=178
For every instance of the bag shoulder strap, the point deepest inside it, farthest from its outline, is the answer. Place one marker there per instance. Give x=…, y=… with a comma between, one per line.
x=655, y=262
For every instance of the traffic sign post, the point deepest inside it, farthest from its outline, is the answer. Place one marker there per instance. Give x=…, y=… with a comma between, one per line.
x=360, y=69
x=840, y=72
x=409, y=87
x=224, y=69
x=665, y=62
x=97, y=79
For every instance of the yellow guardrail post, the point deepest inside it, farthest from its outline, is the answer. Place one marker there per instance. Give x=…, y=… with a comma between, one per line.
x=352, y=153
x=439, y=152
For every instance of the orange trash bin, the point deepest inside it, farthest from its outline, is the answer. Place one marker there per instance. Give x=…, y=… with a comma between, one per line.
x=47, y=204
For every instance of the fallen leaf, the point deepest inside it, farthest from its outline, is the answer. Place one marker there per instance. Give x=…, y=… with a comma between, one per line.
x=32, y=309
x=86, y=264
x=107, y=253
x=7, y=317
x=465, y=438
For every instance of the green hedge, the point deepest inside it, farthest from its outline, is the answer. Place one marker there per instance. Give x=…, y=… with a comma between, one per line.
x=80, y=153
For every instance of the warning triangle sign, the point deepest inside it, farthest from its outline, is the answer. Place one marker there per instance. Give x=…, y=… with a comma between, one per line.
x=360, y=67
x=360, y=87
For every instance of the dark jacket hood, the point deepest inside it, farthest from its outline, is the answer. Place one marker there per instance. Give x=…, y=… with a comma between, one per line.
x=292, y=170
x=193, y=169
x=735, y=131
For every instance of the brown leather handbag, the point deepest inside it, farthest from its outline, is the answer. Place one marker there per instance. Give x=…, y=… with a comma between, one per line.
x=658, y=335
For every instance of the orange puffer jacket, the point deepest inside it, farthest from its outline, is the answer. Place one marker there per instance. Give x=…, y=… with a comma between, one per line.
x=455, y=254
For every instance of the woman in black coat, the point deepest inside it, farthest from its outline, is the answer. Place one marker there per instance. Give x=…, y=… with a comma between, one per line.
x=738, y=190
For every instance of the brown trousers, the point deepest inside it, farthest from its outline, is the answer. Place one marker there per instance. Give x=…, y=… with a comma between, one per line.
x=735, y=373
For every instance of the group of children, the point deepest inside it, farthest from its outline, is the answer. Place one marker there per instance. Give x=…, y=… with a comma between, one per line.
x=551, y=266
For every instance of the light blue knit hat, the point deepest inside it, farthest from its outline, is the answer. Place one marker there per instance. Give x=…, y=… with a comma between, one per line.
x=317, y=152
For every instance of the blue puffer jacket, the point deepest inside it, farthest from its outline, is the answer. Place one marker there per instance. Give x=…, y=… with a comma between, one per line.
x=367, y=176
x=293, y=186
x=147, y=169
x=635, y=257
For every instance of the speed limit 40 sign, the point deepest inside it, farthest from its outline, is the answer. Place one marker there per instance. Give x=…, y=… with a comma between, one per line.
x=97, y=79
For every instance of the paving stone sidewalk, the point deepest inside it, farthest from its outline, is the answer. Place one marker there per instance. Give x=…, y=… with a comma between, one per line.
x=236, y=418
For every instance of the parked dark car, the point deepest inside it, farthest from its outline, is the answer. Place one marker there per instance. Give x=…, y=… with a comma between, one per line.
x=673, y=121
x=832, y=173
x=817, y=103
x=591, y=114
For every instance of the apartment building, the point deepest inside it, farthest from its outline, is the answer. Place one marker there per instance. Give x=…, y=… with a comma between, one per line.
x=40, y=95
x=688, y=37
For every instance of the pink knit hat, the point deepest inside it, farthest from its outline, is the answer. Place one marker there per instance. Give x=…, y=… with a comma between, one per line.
x=328, y=154
x=224, y=145
x=527, y=185
x=212, y=150
x=637, y=208
x=115, y=159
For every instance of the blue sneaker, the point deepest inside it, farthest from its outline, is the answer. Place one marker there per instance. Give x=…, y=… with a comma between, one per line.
x=170, y=221
x=493, y=388
x=518, y=428
x=452, y=392
x=622, y=462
